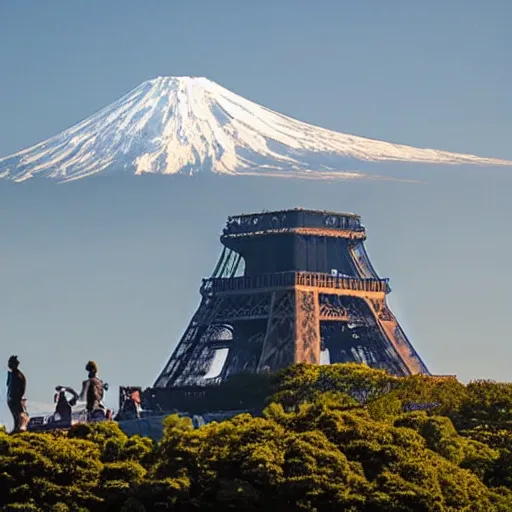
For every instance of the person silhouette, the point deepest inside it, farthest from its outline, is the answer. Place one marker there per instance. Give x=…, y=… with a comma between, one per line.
x=63, y=406
x=16, y=387
x=92, y=392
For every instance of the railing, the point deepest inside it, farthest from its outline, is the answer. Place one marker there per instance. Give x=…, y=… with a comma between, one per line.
x=319, y=280
x=290, y=220
x=290, y=279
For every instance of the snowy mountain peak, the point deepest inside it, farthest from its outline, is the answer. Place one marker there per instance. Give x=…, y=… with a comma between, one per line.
x=184, y=82
x=172, y=125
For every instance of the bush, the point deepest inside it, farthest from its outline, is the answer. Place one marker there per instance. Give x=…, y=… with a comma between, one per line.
x=331, y=438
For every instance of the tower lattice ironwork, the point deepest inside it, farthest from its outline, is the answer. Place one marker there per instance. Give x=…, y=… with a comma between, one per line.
x=290, y=286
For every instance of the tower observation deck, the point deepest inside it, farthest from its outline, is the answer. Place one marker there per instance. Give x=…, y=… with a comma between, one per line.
x=290, y=286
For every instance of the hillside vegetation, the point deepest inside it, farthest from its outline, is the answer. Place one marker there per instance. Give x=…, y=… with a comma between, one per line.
x=332, y=438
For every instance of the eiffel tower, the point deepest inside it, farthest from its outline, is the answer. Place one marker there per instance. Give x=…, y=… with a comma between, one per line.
x=290, y=286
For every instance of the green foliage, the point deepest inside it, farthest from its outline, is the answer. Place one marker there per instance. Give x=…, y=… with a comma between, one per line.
x=448, y=392
x=15, y=507
x=441, y=437
x=42, y=469
x=353, y=384
x=488, y=402
x=331, y=438
x=114, y=444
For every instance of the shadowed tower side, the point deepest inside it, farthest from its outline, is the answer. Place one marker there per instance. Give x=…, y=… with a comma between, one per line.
x=290, y=286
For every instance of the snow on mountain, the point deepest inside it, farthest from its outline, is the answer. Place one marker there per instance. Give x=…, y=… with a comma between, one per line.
x=184, y=125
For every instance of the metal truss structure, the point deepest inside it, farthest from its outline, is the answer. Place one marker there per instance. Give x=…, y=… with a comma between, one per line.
x=290, y=286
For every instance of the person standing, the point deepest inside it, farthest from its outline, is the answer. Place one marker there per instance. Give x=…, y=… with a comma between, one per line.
x=92, y=391
x=16, y=387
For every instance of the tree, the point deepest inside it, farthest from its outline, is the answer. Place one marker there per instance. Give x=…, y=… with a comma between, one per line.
x=354, y=384
x=331, y=438
x=43, y=470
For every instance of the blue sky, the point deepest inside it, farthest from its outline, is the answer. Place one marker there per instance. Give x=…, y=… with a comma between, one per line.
x=433, y=74
x=428, y=73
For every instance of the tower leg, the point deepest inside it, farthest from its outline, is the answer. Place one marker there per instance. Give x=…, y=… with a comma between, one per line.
x=390, y=327
x=279, y=345
x=190, y=347
x=307, y=327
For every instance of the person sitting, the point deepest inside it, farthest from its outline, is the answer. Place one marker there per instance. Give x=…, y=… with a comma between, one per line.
x=131, y=404
x=16, y=387
x=63, y=406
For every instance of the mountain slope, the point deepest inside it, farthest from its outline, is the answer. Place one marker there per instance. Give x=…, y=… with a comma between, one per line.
x=173, y=125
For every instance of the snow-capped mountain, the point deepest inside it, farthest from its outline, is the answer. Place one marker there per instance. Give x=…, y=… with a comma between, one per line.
x=173, y=125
